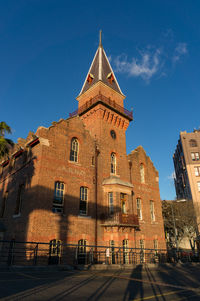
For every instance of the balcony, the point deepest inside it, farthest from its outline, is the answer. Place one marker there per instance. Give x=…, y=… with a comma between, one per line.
x=121, y=220
x=111, y=104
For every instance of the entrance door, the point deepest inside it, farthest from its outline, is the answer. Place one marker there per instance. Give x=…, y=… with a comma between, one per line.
x=82, y=251
x=54, y=251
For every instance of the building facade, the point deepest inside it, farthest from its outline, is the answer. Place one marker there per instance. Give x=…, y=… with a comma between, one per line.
x=187, y=169
x=74, y=181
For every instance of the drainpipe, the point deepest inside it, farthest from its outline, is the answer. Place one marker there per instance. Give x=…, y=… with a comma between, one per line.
x=97, y=152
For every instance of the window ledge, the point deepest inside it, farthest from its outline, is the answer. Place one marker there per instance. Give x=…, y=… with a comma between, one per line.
x=84, y=216
x=73, y=162
x=16, y=215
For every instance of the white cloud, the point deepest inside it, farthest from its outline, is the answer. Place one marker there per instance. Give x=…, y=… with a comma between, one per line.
x=180, y=50
x=172, y=176
x=145, y=67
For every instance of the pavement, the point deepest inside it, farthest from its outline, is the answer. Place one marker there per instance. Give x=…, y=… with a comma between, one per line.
x=142, y=282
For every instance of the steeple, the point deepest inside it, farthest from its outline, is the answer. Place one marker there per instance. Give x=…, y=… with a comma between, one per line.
x=100, y=70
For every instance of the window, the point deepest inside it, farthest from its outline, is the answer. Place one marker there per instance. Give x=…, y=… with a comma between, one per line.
x=74, y=150
x=142, y=173
x=125, y=251
x=3, y=204
x=123, y=202
x=110, y=203
x=197, y=171
x=155, y=244
x=19, y=200
x=141, y=244
x=195, y=156
x=152, y=210
x=198, y=185
x=58, y=201
x=113, y=163
x=83, y=200
x=192, y=143
x=113, y=134
x=139, y=208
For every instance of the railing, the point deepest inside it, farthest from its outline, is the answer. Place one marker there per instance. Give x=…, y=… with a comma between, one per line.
x=121, y=219
x=107, y=101
x=34, y=253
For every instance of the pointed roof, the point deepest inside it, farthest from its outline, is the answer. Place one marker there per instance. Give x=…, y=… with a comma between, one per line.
x=100, y=70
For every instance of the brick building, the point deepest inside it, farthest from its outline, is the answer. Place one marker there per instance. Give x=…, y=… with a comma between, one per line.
x=74, y=181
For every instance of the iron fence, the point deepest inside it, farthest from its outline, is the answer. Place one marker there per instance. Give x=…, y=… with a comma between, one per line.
x=37, y=253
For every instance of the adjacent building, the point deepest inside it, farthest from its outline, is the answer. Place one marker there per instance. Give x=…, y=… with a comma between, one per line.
x=187, y=169
x=74, y=181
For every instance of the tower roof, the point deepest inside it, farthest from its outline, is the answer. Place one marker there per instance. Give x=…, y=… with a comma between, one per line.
x=100, y=70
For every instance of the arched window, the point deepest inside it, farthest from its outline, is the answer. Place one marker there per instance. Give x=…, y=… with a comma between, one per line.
x=74, y=150
x=193, y=143
x=142, y=173
x=113, y=163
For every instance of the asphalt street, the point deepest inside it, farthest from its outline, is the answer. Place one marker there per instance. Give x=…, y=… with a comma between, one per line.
x=161, y=283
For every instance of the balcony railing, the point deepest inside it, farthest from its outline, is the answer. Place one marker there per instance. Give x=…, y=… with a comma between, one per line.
x=120, y=219
x=105, y=100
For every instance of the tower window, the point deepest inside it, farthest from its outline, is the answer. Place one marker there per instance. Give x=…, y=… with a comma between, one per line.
x=58, y=201
x=113, y=134
x=74, y=150
x=195, y=156
x=113, y=163
x=83, y=200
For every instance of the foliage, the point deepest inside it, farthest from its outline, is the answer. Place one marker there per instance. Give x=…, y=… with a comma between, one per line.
x=5, y=143
x=179, y=217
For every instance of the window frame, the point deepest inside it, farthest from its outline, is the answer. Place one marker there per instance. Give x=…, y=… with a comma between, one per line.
x=197, y=171
x=195, y=156
x=142, y=173
x=57, y=205
x=83, y=200
x=198, y=186
x=110, y=203
x=74, y=150
x=193, y=143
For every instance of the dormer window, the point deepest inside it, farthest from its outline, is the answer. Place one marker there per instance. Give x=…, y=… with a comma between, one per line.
x=110, y=77
x=90, y=78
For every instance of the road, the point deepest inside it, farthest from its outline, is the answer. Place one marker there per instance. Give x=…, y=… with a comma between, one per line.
x=162, y=283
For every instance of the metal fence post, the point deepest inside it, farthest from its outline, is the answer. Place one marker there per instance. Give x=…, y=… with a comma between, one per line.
x=11, y=252
x=35, y=254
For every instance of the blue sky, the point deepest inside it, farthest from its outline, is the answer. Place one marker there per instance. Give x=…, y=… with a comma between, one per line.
x=46, y=48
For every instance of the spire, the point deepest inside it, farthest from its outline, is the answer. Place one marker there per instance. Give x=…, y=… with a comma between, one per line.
x=100, y=40
x=100, y=70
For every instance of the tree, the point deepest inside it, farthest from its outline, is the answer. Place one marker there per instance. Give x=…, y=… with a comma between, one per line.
x=5, y=143
x=179, y=221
